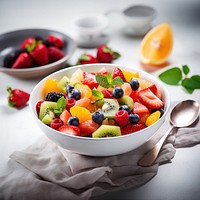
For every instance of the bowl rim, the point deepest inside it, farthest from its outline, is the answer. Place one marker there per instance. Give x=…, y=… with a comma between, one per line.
x=32, y=69
x=165, y=90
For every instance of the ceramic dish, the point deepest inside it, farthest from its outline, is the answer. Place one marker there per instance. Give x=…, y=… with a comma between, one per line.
x=12, y=40
x=98, y=146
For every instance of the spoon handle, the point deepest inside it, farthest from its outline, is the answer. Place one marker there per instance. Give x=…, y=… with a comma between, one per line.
x=151, y=156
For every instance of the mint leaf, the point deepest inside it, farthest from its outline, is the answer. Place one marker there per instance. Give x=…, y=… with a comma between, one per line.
x=185, y=69
x=97, y=94
x=109, y=78
x=171, y=76
x=102, y=80
x=117, y=80
x=61, y=104
x=190, y=84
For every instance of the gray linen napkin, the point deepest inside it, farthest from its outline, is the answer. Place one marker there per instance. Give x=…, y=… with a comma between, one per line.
x=48, y=172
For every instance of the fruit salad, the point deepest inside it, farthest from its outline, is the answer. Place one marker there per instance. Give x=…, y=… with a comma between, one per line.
x=35, y=51
x=100, y=104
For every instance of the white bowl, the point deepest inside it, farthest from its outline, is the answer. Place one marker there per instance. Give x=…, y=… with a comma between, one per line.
x=12, y=40
x=98, y=146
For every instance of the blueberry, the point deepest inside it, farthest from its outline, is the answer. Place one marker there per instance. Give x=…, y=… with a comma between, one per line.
x=74, y=121
x=117, y=92
x=69, y=88
x=134, y=84
x=75, y=94
x=125, y=107
x=134, y=118
x=98, y=117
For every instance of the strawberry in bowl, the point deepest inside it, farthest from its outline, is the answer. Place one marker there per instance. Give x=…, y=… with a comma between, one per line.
x=118, y=112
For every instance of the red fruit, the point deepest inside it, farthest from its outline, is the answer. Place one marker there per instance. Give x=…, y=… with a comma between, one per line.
x=122, y=117
x=64, y=116
x=131, y=128
x=140, y=108
x=24, y=60
x=118, y=72
x=134, y=95
x=71, y=130
x=104, y=54
x=149, y=99
x=88, y=127
x=17, y=98
x=38, y=105
x=107, y=93
x=56, y=123
x=54, y=54
x=70, y=102
x=27, y=41
x=153, y=88
x=89, y=80
x=40, y=55
x=103, y=71
x=55, y=41
x=87, y=59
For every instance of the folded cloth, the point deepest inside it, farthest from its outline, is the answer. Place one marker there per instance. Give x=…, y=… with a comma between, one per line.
x=48, y=172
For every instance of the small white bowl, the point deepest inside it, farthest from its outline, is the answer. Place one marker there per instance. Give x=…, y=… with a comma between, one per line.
x=139, y=18
x=98, y=146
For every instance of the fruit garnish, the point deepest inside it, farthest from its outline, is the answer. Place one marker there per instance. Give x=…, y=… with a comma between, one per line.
x=117, y=72
x=140, y=108
x=61, y=104
x=71, y=130
x=131, y=128
x=56, y=123
x=54, y=96
x=50, y=85
x=88, y=127
x=85, y=91
x=17, y=97
x=89, y=80
x=129, y=75
x=157, y=45
x=76, y=77
x=122, y=117
x=64, y=116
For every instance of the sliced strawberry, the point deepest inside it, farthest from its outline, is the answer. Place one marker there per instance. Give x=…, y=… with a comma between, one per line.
x=153, y=88
x=54, y=54
x=149, y=99
x=131, y=128
x=103, y=71
x=17, y=98
x=27, y=41
x=87, y=59
x=89, y=80
x=88, y=127
x=71, y=130
x=118, y=72
x=134, y=95
x=55, y=41
x=40, y=55
x=107, y=93
x=140, y=108
x=23, y=61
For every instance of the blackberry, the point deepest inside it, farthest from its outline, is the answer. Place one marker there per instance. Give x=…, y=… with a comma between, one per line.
x=54, y=96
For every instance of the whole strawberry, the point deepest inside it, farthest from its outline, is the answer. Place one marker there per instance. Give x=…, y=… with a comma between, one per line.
x=105, y=54
x=17, y=98
x=87, y=59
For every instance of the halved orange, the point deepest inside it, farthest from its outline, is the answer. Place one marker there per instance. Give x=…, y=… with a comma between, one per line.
x=157, y=45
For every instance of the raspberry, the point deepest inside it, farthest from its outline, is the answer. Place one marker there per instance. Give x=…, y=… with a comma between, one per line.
x=70, y=102
x=56, y=123
x=122, y=117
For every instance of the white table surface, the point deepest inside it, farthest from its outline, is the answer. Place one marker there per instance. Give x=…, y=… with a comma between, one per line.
x=177, y=180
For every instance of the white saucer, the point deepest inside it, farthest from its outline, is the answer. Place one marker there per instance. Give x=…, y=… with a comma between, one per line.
x=91, y=41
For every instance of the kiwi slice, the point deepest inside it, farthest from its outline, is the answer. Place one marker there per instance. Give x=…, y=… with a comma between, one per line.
x=46, y=107
x=110, y=108
x=107, y=131
x=62, y=84
x=47, y=119
x=126, y=100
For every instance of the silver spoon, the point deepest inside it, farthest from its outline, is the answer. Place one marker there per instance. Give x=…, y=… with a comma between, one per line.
x=182, y=115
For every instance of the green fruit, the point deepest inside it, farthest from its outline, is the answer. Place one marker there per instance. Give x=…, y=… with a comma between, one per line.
x=46, y=107
x=110, y=108
x=62, y=84
x=126, y=100
x=47, y=119
x=107, y=131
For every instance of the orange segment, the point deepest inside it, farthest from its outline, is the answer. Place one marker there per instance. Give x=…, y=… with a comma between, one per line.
x=157, y=45
x=84, y=102
x=81, y=113
x=85, y=91
x=50, y=85
x=129, y=75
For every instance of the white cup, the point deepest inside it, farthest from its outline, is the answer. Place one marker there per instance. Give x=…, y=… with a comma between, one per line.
x=138, y=18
